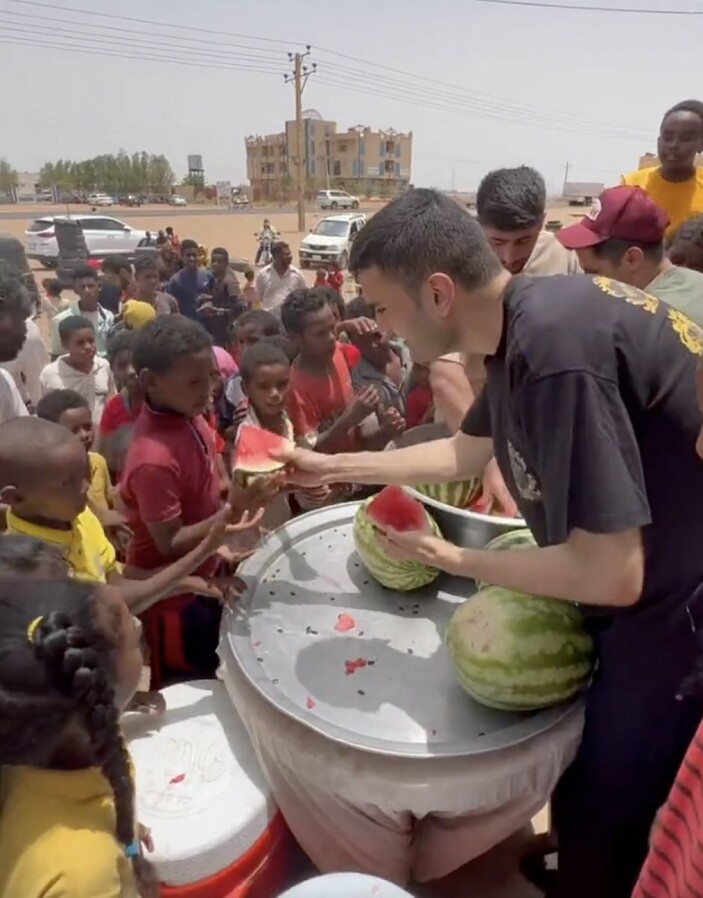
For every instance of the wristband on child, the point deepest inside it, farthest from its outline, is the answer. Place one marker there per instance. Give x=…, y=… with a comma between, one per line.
x=131, y=850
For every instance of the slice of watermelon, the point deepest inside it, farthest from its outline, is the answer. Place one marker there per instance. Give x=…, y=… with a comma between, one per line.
x=252, y=452
x=394, y=508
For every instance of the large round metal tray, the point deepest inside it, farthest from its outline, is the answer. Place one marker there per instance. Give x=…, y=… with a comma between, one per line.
x=463, y=527
x=382, y=685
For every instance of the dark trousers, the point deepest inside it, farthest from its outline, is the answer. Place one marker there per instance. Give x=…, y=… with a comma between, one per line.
x=635, y=736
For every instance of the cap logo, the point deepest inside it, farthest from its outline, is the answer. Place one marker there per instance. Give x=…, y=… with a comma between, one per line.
x=595, y=210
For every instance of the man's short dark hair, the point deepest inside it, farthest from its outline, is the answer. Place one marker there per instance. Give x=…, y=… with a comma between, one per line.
x=187, y=245
x=53, y=286
x=145, y=263
x=298, y=305
x=267, y=322
x=73, y=323
x=689, y=231
x=511, y=199
x=165, y=339
x=279, y=247
x=614, y=249
x=84, y=271
x=220, y=251
x=423, y=232
x=115, y=265
x=14, y=296
x=264, y=352
x=359, y=308
x=54, y=404
x=694, y=106
x=119, y=341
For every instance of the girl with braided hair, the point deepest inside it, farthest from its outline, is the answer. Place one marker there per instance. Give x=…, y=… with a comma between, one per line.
x=70, y=660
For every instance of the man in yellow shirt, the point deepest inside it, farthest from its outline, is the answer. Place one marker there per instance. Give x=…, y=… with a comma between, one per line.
x=676, y=184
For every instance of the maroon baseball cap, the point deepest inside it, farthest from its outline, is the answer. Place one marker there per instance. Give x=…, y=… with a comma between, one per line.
x=623, y=213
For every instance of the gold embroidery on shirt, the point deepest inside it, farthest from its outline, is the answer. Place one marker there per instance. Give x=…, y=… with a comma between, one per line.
x=627, y=292
x=690, y=334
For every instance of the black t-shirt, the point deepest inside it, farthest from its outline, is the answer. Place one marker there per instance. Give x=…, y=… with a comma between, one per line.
x=590, y=400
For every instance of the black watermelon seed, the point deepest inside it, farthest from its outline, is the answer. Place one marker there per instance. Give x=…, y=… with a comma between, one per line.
x=371, y=663
x=279, y=629
x=260, y=660
x=410, y=652
x=401, y=608
x=361, y=692
x=481, y=734
x=331, y=598
x=361, y=632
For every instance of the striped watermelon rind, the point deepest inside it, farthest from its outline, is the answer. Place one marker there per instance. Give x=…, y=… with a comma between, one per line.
x=457, y=494
x=402, y=576
x=515, y=652
x=513, y=539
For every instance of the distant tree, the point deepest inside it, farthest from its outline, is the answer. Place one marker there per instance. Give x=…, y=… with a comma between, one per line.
x=8, y=176
x=194, y=180
x=114, y=174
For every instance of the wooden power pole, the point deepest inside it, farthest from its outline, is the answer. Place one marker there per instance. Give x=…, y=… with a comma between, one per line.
x=299, y=78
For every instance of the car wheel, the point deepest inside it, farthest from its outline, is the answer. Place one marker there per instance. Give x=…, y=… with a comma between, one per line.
x=48, y=263
x=355, y=204
x=344, y=260
x=334, y=205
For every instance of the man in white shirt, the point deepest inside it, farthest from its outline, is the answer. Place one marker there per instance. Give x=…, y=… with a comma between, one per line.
x=29, y=364
x=86, y=286
x=275, y=281
x=15, y=309
x=80, y=369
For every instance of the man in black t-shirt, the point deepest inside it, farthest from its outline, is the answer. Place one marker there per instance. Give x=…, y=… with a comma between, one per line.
x=590, y=409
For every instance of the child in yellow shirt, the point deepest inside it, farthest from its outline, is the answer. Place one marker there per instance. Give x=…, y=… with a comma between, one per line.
x=70, y=660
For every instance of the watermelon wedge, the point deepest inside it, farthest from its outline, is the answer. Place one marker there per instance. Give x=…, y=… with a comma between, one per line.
x=252, y=453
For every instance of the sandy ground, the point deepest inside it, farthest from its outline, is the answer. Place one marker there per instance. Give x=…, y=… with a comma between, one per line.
x=495, y=875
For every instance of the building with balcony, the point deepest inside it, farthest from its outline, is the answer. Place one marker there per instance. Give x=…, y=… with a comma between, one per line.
x=363, y=161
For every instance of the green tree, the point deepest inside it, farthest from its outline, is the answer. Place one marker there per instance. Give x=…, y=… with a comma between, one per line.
x=194, y=180
x=8, y=176
x=114, y=174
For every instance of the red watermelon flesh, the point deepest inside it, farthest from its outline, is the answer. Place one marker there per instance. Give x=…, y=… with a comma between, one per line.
x=395, y=509
x=252, y=455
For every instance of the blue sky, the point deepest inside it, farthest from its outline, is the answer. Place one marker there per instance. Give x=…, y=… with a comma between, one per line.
x=550, y=86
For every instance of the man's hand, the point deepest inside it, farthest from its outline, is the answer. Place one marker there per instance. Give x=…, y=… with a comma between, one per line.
x=422, y=547
x=494, y=489
x=306, y=468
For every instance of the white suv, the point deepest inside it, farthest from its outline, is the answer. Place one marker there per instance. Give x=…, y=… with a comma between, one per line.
x=336, y=199
x=331, y=240
x=99, y=199
x=103, y=237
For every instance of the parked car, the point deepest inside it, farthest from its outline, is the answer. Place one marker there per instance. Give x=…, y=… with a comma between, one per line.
x=178, y=201
x=330, y=240
x=99, y=199
x=130, y=200
x=103, y=237
x=337, y=199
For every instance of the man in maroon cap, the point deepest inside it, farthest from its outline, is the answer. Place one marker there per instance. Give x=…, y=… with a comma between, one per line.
x=623, y=238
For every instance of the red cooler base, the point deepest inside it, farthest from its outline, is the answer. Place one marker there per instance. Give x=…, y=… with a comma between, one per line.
x=263, y=872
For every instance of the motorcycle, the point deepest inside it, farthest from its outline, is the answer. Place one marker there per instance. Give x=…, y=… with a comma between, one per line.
x=264, y=256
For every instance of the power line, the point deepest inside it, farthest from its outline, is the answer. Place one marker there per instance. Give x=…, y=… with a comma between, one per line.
x=511, y=108
x=580, y=8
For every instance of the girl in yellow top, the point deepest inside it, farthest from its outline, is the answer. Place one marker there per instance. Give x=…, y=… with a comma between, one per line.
x=70, y=659
x=676, y=184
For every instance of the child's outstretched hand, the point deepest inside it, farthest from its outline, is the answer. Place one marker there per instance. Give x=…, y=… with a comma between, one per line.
x=257, y=493
x=365, y=402
x=392, y=422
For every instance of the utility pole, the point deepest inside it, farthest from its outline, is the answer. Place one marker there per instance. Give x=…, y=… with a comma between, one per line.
x=566, y=177
x=299, y=78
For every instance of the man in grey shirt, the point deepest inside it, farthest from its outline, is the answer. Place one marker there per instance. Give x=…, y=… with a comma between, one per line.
x=623, y=239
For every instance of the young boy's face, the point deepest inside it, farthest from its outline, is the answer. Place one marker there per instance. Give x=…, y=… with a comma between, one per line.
x=148, y=282
x=317, y=341
x=187, y=385
x=61, y=494
x=267, y=390
x=244, y=337
x=80, y=422
x=375, y=347
x=123, y=370
x=80, y=347
x=87, y=288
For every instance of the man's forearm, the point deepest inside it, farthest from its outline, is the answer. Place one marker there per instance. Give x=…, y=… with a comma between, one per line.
x=559, y=572
x=442, y=461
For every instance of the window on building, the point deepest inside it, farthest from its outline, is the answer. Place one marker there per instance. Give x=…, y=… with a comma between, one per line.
x=397, y=151
x=342, y=148
x=337, y=168
x=390, y=147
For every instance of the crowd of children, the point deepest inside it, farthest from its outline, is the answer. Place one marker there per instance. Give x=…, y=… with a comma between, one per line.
x=127, y=490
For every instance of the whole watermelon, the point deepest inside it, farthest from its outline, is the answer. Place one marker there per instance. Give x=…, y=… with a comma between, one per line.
x=393, y=507
x=458, y=493
x=516, y=652
x=513, y=539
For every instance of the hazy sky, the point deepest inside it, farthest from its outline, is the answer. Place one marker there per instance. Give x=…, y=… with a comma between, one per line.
x=480, y=85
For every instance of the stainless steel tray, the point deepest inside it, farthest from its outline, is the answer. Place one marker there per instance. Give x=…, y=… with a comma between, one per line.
x=362, y=665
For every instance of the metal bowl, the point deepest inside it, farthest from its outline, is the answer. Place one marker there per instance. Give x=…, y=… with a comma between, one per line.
x=463, y=527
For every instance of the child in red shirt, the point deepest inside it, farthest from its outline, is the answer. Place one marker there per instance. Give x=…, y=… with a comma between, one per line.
x=322, y=405
x=321, y=278
x=335, y=277
x=120, y=413
x=170, y=490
